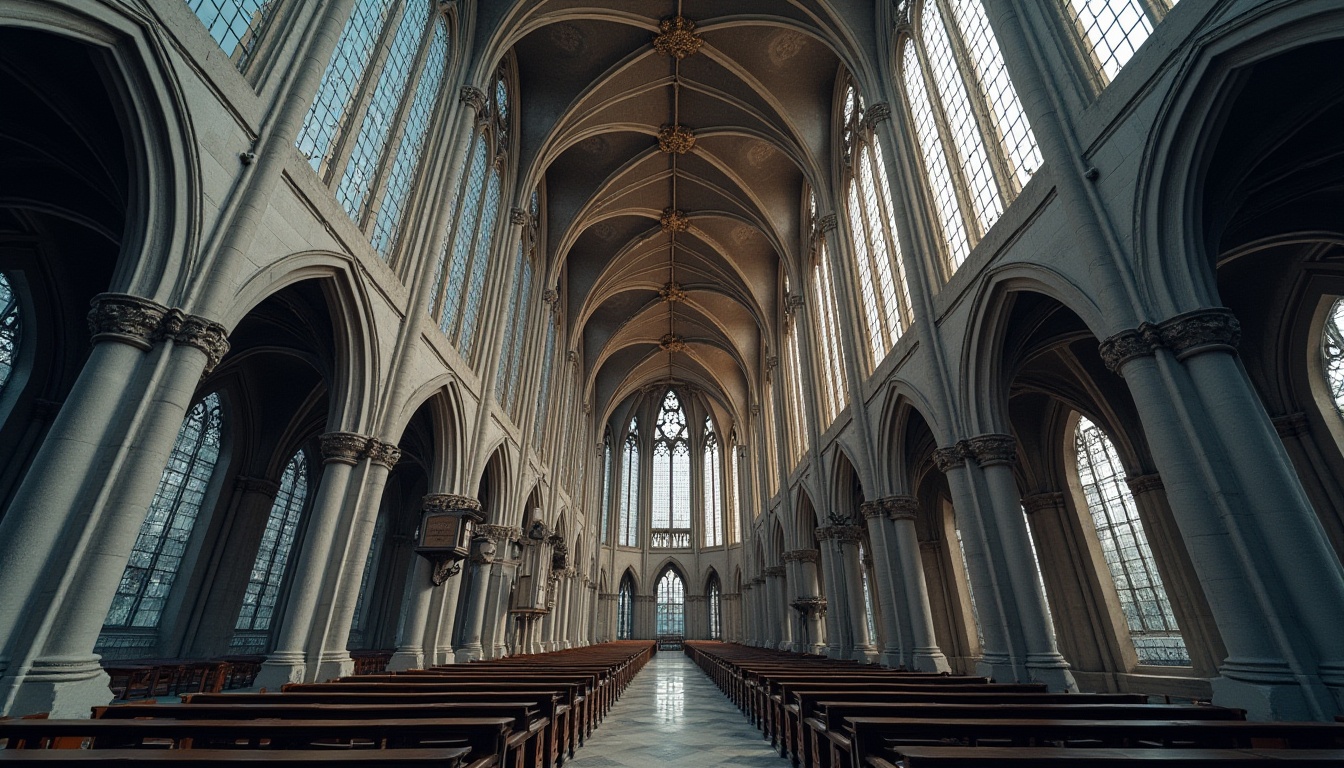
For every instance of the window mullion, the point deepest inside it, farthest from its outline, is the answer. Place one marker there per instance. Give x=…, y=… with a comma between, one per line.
x=960, y=187
x=352, y=117
x=874, y=240
x=975, y=93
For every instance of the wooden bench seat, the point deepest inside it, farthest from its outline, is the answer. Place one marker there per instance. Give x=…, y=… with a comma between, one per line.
x=1010, y=757
x=449, y=757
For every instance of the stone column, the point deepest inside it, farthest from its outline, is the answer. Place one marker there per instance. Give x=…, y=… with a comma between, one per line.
x=923, y=653
x=839, y=643
x=777, y=588
x=85, y=497
x=288, y=663
x=896, y=635
x=809, y=604
x=482, y=558
x=414, y=648
x=849, y=537
x=1272, y=580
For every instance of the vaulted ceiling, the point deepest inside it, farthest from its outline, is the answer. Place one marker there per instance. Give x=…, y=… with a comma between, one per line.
x=594, y=92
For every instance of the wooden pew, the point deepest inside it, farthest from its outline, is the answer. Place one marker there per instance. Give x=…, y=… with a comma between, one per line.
x=449, y=757
x=1044, y=757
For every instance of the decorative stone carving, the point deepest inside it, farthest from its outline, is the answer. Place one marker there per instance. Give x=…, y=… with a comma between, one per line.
x=827, y=223
x=801, y=556
x=473, y=97
x=1126, y=345
x=677, y=38
x=771, y=363
x=675, y=139
x=551, y=297
x=484, y=551
x=344, y=447
x=993, y=449
x=949, y=458
x=206, y=335
x=672, y=292
x=674, y=220
x=449, y=502
x=672, y=343
x=811, y=607
x=871, y=509
x=125, y=318
x=1203, y=330
x=876, y=113
x=499, y=533
x=386, y=454
x=841, y=533
x=900, y=507
x=774, y=570
x=572, y=355
x=1037, y=502
x=1145, y=484
x=758, y=581
x=519, y=216
x=793, y=301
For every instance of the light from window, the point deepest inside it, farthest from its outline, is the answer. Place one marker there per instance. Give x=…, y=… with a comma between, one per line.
x=506, y=380
x=715, y=614
x=544, y=391
x=262, y=594
x=463, y=233
x=713, y=488
x=970, y=591
x=471, y=313
x=235, y=24
x=9, y=331
x=796, y=402
x=867, y=597
x=625, y=609
x=671, y=482
x=157, y=555
x=1114, y=29
x=735, y=505
x=357, y=637
x=936, y=168
x=827, y=318
x=335, y=96
x=1040, y=576
x=629, y=517
x=606, y=487
x=1332, y=353
x=1143, y=600
x=670, y=608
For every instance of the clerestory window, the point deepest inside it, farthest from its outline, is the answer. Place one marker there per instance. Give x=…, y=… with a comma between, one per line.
x=1111, y=31
x=713, y=488
x=670, y=485
x=629, y=514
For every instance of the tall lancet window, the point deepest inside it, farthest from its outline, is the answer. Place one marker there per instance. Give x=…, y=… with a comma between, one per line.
x=872, y=223
x=1332, y=353
x=1143, y=600
x=236, y=25
x=864, y=564
x=629, y=516
x=826, y=316
x=9, y=331
x=713, y=597
x=713, y=486
x=794, y=400
x=625, y=609
x=1112, y=30
x=975, y=143
x=463, y=258
x=162, y=542
x=547, y=372
x=261, y=597
x=735, y=494
x=670, y=608
x=606, y=488
x=671, y=483
x=520, y=301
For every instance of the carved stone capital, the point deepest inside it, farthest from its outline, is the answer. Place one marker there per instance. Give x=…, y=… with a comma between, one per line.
x=125, y=318
x=810, y=606
x=801, y=556
x=1037, y=502
x=343, y=447
x=550, y=297
x=871, y=509
x=992, y=449
x=677, y=38
x=473, y=97
x=1290, y=424
x=771, y=363
x=206, y=335
x=951, y=457
x=519, y=216
x=499, y=533
x=386, y=454
x=827, y=223
x=841, y=533
x=675, y=139
x=449, y=502
x=900, y=507
x=1203, y=330
x=1127, y=345
x=876, y=113
x=1145, y=484
x=758, y=581
x=774, y=570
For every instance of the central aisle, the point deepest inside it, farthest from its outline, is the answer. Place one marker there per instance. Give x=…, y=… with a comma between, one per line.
x=673, y=716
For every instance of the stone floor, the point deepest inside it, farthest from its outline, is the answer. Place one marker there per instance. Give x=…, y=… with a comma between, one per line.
x=672, y=716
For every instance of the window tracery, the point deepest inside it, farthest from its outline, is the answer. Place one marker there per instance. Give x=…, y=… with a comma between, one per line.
x=10, y=329
x=606, y=487
x=670, y=608
x=713, y=488
x=713, y=598
x=625, y=609
x=671, y=482
x=629, y=515
x=262, y=594
x=166, y=531
x=1112, y=30
x=236, y=25
x=544, y=391
x=1124, y=545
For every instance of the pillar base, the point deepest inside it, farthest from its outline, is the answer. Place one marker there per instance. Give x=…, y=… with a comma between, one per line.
x=67, y=688
x=410, y=658
x=468, y=654
x=333, y=666
x=816, y=649
x=1271, y=692
x=865, y=654
x=929, y=660
x=442, y=655
x=280, y=669
x=1058, y=679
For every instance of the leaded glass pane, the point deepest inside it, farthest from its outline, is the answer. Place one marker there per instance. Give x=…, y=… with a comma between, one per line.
x=1124, y=546
x=9, y=331
x=877, y=342
x=670, y=608
x=867, y=597
x=519, y=326
x=961, y=124
x=713, y=488
x=235, y=24
x=463, y=231
x=970, y=591
x=606, y=488
x=671, y=482
x=796, y=402
x=370, y=564
x=330, y=108
x=734, y=508
x=508, y=357
x=471, y=313
x=1332, y=353
x=951, y=225
x=543, y=408
x=1114, y=29
x=262, y=593
x=625, y=610
x=715, y=615
x=629, y=517
x=898, y=312
x=166, y=531
x=387, y=225
x=827, y=318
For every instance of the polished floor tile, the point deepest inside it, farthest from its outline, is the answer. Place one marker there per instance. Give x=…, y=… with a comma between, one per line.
x=672, y=716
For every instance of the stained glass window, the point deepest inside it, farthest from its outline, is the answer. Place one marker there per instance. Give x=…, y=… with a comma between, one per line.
x=1143, y=599
x=606, y=487
x=670, y=607
x=795, y=401
x=625, y=609
x=544, y=390
x=629, y=517
x=735, y=503
x=714, y=595
x=713, y=488
x=262, y=594
x=1332, y=353
x=9, y=331
x=520, y=294
x=834, y=387
x=462, y=238
x=670, y=486
x=236, y=25
x=1114, y=29
x=162, y=542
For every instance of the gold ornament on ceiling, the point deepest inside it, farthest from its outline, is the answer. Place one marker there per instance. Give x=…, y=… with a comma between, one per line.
x=676, y=138
x=672, y=343
x=672, y=292
x=674, y=220
x=677, y=38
